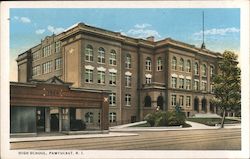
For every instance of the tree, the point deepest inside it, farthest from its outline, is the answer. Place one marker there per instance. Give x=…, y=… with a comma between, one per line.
x=227, y=84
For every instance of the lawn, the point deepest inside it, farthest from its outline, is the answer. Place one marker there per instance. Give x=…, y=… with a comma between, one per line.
x=212, y=121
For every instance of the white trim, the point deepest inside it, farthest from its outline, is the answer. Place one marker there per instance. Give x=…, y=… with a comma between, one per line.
x=113, y=70
x=204, y=81
x=89, y=67
x=181, y=76
x=189, y=77
x=128, y=73
x=196, y=80
x=148, y=75
x=174, y=75
x=101, y=69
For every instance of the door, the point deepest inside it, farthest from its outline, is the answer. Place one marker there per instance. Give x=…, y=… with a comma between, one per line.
x=40, y=118
x=54, y=119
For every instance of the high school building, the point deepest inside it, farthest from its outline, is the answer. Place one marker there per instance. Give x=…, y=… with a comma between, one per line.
x=141, y=74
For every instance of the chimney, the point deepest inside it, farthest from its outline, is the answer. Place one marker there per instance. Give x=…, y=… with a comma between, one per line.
x=151, y=38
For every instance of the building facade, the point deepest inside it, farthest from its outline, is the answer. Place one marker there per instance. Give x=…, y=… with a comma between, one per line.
x=142, y=74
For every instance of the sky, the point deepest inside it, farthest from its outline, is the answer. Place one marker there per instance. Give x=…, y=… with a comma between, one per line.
x=222, y=26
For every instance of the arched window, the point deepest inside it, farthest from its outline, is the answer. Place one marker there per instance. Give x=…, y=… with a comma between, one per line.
x=89, y=117
x=181, y=64
x=148, y=64
x=174, y=63
x=188, y=66
x=159, y=64
x=101, y=55
x=204, y=70
x=112, y=58
x=128, y=61
x=147, y=101
x=89, y=53
x=196, y=68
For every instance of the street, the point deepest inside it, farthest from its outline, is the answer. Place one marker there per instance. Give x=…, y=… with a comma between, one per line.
x=215, y=139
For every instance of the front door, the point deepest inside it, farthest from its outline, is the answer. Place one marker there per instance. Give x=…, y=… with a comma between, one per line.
x=40, y=118
x=54, y=119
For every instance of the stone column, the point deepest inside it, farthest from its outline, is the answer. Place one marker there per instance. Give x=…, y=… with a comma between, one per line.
x=60, y=119
x=47, y=119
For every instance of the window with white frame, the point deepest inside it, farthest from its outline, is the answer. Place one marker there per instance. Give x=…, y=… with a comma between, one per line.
x=89, y=117
x=188, y=84
x=148, y=80
x=188, y=66
x=212, y=87
x=127, y=80
x=112, y=58
x=174, y=82
x=211, y=71
x=173, y=100
x=88, y=75
x=36, y=55
x=128, y=99
x=36, y=70
x=47, y=51
x=101, y=55
x=181, y=100
x=148, y=64
x=181, y=83
x=196, y=85
x=188, y=101
x=174, y=63
x=47, y=67
x=57, y=46
x=101, y=77
x=89, y=53
x=204, y=70
x=112, y=78
x=196, y=68
x=58, y=63
x=159, y=64
x=128, y=61
x=203, y=85
x=112, y=99
x=181, y=65
x=112, y=117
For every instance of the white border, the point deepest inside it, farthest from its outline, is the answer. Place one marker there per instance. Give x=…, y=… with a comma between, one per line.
x=244, y=5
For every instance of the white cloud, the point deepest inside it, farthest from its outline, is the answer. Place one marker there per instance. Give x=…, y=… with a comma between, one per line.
x=55, y=30
x=16, y=17
x=221, y=31
x=40, y=31
x=143, y=31
x=25, y=20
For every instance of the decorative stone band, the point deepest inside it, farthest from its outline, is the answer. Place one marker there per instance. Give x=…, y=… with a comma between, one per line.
x=181, y=76
x=112, y=70
x=189, y=77
x=89, y=67
x=128, y=73
x=196, y=80
x=174, y=75
x=204, y=81
x=101, y=69
x=148, y=75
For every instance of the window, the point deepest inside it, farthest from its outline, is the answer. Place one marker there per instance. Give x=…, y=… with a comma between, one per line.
x=188, y=66
x=148, y=64
x=128, y=99
x=174, y=63
x=203, y=85
x=101, y=55
x=196, y=68
x=212, y=87
x=148, y=80
x=181, y=83
x=57, y=46
x=36, y=70
x=47, y=67
x=58, y=63
x=174, y=82
x=89, y=117
x=112, y=58
x=181, y=64
x=127, y=81
x=147, y=101
x=112, y=99
x=159, y=64
x=88, y=75
x=36, y=56
x=211, y=71
x=89, y=53
x=204, y=70
x=188, y=101
x=188, y=84
x=112, y=117
x=173, y=100
x=196, y=85
x=181, y=100
x=112, y=78
x=47, y=51
x=128, y=61
x=101, y=77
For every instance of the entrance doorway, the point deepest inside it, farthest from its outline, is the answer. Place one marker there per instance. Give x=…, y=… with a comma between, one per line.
x=40, y=118
x=54, y=119
x=160, y=102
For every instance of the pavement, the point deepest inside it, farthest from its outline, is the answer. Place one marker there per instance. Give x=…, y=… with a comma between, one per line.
x=123, y=130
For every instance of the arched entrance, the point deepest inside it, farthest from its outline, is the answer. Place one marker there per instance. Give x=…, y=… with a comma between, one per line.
x=147, y=101
x=160, y=102
x=211, y=107
x=204, y=105
x=196, y=104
